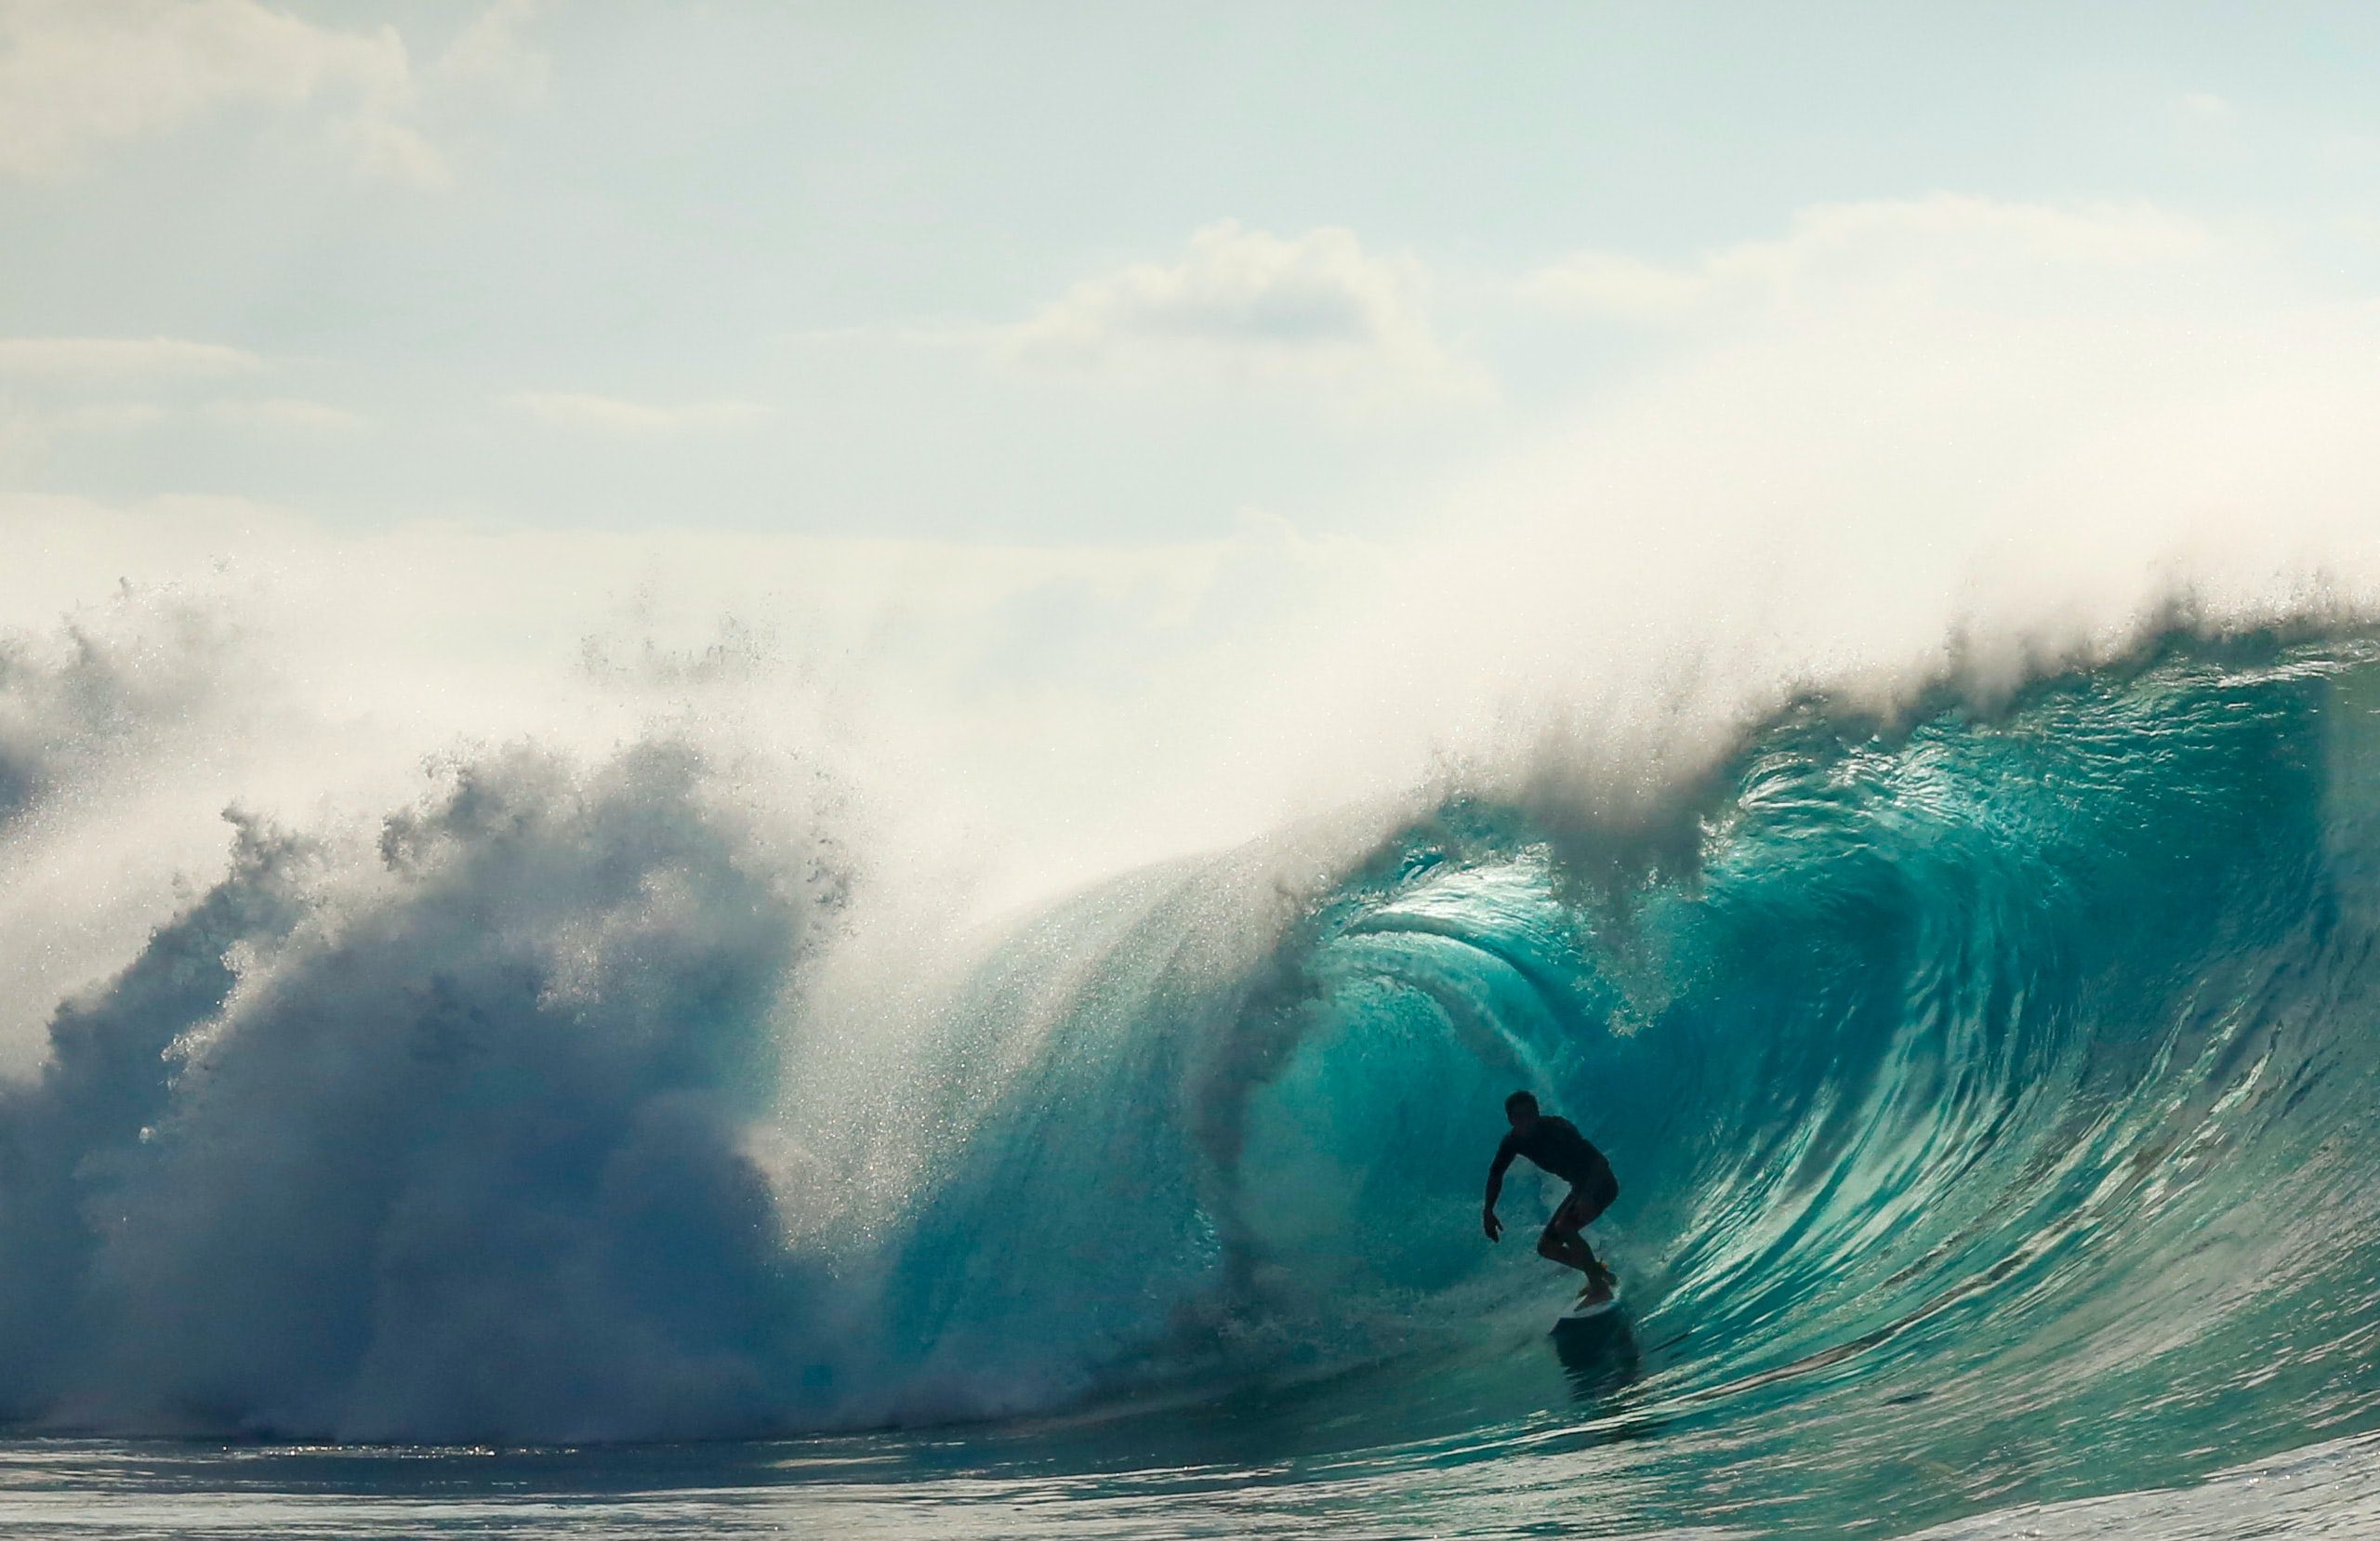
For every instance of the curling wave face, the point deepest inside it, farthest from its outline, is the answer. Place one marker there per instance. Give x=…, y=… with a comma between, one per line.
x=1990, y=1096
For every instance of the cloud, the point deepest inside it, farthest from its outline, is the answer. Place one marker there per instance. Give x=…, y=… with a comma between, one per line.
x=63, y=388
x=2206, y=107
x=1246, y=305
x=490, y=53
x=27, y=434
x=77, y=75
x=103, y=417
x=1607, y=284
x=114, y=358
x=1938, y=244
x=284, y=414
x=576, y=410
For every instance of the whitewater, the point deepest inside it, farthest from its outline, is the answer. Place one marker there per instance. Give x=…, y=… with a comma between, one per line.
x=511, y=1033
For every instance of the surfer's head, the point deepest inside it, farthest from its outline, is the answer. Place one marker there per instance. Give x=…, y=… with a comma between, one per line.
x=1521, y=1108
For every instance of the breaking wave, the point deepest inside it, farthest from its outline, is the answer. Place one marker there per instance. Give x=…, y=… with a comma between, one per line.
x=1990, y=1090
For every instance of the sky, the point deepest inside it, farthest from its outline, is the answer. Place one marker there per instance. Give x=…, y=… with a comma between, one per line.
x=1057, y=274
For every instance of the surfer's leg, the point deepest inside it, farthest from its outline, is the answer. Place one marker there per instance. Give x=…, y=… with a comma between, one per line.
x=1562, y=1243
x=1570, y=1249
x=1587, y=1201
x=1564, y=1249
x=1566, y=1231
x=1573, y=1250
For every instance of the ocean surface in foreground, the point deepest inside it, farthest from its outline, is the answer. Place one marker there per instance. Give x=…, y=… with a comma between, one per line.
x=863, y=1490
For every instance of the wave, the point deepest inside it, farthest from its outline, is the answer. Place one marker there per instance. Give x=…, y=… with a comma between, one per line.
x=1988, y=1091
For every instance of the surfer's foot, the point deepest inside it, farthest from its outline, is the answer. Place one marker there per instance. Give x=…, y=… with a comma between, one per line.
x=1595, y=1293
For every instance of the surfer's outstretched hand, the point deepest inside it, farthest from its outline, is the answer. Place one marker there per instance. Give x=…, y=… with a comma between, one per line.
x=1494, y=1227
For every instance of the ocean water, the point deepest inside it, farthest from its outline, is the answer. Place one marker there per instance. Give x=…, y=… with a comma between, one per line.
x=1992, y=1091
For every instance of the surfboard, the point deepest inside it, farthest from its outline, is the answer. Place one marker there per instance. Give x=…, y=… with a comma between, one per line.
x=1577, y=1314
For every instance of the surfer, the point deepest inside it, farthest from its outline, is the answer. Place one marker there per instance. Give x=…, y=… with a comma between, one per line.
x=1556, y=1146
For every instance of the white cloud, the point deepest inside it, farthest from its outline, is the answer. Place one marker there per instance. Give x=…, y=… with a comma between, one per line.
x=76, y=76
x=283, y=413
x=1247, y=305
x=107, y=359
x=391, y=151
x=1607, y=283
x=576, y=410
x=35, y=430
x=490, y=53
x=2206, y=107
x=27, y=435
x=107, y=417
x=1941, y=245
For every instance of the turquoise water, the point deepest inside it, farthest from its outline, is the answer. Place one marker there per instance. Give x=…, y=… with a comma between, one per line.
x=1991, y=1095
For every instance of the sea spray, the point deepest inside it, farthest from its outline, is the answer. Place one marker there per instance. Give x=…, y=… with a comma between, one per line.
x=463, y=1146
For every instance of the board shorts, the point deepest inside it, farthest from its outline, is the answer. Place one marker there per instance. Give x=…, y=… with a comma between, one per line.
x=1591, y=1196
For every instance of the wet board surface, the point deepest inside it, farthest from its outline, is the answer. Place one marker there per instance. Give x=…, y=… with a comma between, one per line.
x=1580, y=1316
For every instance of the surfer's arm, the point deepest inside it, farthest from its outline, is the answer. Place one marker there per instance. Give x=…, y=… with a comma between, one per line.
x=1487, y=1220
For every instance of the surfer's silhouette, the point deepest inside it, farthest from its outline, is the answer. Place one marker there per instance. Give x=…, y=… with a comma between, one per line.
x=1556, y=1146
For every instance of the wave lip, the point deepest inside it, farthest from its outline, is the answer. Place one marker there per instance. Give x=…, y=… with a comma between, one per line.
x=1992, y=1079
